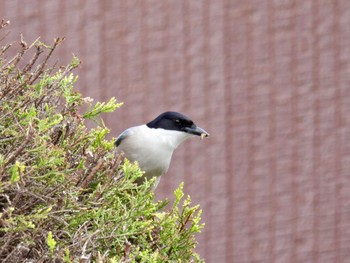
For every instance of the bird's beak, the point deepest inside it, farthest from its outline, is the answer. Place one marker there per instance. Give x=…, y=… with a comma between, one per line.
x=197, y=131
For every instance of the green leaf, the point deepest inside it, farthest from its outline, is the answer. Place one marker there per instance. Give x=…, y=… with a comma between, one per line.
x=75, y=62
x=66, y=257
x=178, y=194
x=51, y=242
x=16, y=171
x=101, y=107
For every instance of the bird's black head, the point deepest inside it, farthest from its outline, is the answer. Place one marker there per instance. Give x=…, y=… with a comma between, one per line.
x=171, y=120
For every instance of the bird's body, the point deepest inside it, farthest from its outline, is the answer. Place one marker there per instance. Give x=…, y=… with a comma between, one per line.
x=152, y=145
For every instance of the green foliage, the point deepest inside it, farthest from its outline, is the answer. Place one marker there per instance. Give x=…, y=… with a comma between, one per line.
x=64, y=194
x=101, y=107
x=51, y=242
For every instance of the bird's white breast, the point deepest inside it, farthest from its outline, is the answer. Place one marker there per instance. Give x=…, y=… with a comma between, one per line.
x=151, y=148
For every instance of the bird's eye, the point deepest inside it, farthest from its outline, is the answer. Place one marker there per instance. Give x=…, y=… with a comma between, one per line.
x=177, y=120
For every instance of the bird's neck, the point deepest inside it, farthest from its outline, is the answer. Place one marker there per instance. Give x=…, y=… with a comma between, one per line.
x=175, y=138
x=168, y=138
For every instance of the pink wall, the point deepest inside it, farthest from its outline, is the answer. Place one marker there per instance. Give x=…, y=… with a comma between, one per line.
x=268, y=79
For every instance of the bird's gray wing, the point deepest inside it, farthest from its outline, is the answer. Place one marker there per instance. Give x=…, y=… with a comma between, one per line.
x=121, y=137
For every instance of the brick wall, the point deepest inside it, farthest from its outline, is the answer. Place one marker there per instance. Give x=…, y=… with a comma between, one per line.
x=268, y=79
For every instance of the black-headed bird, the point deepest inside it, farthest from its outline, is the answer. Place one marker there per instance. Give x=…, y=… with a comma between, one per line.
x=152, y=145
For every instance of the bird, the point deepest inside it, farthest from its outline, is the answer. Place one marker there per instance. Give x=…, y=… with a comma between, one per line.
x=152, y=145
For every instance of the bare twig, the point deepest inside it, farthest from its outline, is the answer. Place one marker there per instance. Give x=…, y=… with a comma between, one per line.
x=93, y=172
x=21, y=147
x=4, y=23
x=29, y=66
x=39, y=71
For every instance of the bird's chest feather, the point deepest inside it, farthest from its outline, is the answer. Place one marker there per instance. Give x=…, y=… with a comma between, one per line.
x=154, y=156
x=152, y=149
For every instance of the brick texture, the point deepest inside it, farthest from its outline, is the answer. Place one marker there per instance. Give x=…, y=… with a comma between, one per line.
x=268, y=79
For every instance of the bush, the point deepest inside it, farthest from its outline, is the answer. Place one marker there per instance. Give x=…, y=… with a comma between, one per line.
x=64, y=194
